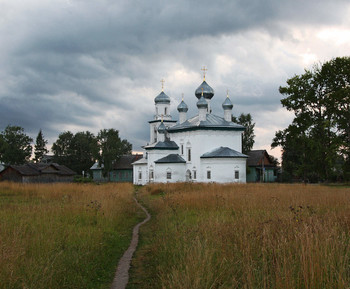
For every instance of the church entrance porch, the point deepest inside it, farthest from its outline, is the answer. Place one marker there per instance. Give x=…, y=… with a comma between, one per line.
x=188, y=176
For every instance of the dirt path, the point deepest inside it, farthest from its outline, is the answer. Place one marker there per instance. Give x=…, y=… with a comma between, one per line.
x=122, y=275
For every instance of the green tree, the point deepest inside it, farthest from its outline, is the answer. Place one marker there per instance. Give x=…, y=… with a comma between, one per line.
x=62, y=149
x=85, y=151
x=15, y=146
x=297, y=162
x=319, y=134
x=40, y=147
x=78, y=152
x=111, y=148
x=248, y=136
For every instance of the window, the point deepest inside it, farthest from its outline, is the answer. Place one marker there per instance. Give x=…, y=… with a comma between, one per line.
x=194, y=175
x=236, y=175
x=168, y=175
x=208, y=175
x=189, y=154
x=182, y=149
x=155, y=134
x=151, y=175
x=165, y=111
x=140, y=175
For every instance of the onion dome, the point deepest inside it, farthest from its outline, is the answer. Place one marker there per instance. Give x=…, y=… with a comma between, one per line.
x=182, y=107
x=202, y=103
x=227, y=105
x=208, y=92
x=161, y=128
x=162, y=98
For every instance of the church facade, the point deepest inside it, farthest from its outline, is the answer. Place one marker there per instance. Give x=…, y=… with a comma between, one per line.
x=203, y=148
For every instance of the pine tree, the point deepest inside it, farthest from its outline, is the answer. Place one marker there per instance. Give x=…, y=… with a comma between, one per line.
x=40, y=147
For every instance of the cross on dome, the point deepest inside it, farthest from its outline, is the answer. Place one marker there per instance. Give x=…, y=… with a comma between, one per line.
x=204, y=70
x=162, y=81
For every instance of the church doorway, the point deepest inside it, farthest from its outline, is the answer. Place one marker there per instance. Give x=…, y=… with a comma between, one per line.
x=188, y=176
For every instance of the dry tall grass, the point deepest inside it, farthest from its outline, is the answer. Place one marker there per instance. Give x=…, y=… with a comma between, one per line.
x=244, y=236
x=63, y=235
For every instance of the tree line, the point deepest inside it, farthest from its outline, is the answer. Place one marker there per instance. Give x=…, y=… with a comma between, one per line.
x=77, y=151
x=316, y=145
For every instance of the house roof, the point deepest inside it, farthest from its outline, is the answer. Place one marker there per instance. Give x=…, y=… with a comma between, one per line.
x=223, y=152
x=172, y=158
x=162, y=145
x=96, y=166
x=258, y=158
x=212, y=122
x=35, y=169
x=124, y=163
x=142, y=161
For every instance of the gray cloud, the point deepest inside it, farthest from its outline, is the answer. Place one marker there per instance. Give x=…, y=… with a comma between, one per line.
x=88, y=65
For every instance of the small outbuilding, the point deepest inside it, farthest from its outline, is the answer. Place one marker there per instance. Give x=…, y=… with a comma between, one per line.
x=122, y=170
x=37, y=173
x=261, y=167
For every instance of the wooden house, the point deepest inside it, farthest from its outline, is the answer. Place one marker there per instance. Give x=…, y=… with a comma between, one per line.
x=122, y=170
x=37, y=173
x=260, y=167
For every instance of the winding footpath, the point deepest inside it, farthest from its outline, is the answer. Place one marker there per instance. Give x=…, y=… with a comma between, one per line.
x=122, y=274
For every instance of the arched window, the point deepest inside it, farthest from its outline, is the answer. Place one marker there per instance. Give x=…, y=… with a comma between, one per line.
x=209, y=173
x=189, y=152
x=168, y=174
x=151, y=173
x=140, y=174
x=155, y=134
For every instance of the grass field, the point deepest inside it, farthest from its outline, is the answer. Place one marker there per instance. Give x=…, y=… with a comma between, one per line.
x=63, y=235
x=244, y=236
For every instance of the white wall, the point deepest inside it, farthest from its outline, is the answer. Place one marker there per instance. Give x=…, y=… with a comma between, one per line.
x=205, y=141
x=154, y=129
x=177, y=173
x=143, y=169
x=223, y=170
x=161, y=111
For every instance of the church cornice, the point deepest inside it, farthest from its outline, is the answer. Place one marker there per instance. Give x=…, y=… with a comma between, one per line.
x=178, y=130
x=164, y=120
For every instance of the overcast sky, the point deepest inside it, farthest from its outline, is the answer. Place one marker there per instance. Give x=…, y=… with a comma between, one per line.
x=87, y=65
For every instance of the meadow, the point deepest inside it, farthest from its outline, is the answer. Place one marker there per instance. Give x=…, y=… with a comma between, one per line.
x=243, y=236
x=64, y=235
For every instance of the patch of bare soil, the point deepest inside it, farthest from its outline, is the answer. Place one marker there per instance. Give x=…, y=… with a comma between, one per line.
x=122, y=274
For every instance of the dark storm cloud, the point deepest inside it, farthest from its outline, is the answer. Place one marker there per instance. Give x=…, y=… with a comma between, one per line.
x=72, y=63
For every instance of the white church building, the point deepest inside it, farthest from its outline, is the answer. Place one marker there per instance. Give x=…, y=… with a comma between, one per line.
x=203, y=148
